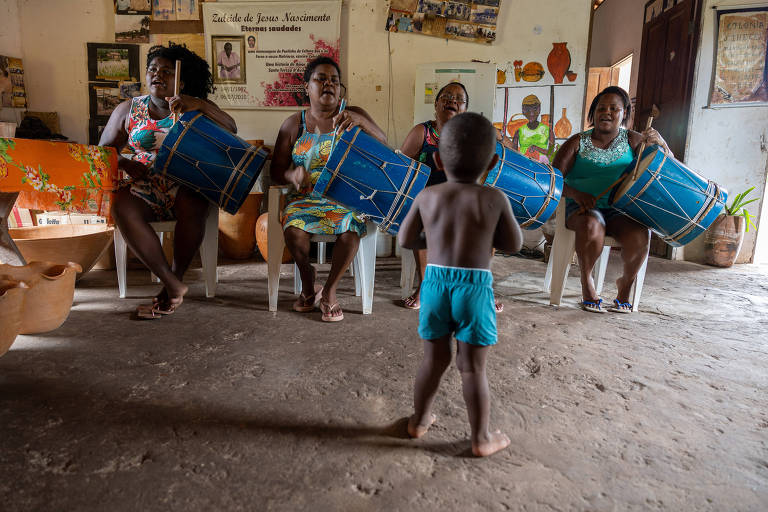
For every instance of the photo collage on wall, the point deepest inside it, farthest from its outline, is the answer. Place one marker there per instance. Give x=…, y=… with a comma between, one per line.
x=113, y=77
x=12, y=92
x=466, y=20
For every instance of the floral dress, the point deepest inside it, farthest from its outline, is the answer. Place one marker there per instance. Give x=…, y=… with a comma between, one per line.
x=307, y=212
x=145, y=136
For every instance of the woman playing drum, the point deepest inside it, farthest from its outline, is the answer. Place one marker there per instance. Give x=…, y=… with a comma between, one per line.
x=590, y=162
x=421, y=144
x=302, y=148
x=144, y=197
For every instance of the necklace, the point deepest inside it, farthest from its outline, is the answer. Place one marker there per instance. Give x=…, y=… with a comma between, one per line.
x=613, y=152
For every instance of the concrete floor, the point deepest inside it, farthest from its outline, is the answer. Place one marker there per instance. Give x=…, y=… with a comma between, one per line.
x=225, y=406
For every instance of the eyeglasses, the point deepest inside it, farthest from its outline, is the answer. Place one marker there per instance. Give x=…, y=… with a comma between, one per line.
x=458, y=99
x=323, y=79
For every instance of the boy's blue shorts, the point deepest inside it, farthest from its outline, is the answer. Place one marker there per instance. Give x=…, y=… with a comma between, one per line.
x=459, y=301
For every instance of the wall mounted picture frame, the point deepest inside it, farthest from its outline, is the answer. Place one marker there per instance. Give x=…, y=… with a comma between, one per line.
x=113, y=62
x=133, y=7
x=228, y=68
x=95, y=128
x=103, y=98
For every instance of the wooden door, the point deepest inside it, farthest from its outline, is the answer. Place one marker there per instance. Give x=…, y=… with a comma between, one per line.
x=597, y=80
x=665, y=77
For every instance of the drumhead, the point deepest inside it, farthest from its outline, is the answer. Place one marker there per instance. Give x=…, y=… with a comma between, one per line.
x=625, y=184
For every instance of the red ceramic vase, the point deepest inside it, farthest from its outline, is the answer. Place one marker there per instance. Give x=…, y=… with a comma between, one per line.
x=559, y=61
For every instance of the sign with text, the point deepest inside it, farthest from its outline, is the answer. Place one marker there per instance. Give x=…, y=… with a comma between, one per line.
x=740, y=65
x=258, y=50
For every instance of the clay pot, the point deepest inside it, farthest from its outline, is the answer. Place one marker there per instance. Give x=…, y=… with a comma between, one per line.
x=571, y=76
x=563, y=127
x=533, y=72
x=79, y=243
x=515, y=123
x=237, y=233
x=723, y=239
x=501, y=76
x=261, y=239
x=559, y=61
x=50, y=294
x=11, y=305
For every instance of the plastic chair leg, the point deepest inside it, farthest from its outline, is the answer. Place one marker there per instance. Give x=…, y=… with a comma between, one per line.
x=320, y=253
x=297, y=284
x=561, y=255
x=209, y=252
x=600, y=267
x=637, y=287
x=275, y=247
x=161, y=236
x=367, y=267
x=407, y=272
x=121, y=256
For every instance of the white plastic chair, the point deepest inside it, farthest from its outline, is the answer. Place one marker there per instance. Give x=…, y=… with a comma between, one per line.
x=407, y=272
x=563, y=249
x=208, y=251
x=363, y=265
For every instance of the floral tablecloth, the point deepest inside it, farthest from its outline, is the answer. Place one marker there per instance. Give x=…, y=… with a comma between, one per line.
x=58, y=175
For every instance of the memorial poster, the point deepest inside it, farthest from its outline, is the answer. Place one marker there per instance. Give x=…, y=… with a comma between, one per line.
x=740, y=60
x=258, y=50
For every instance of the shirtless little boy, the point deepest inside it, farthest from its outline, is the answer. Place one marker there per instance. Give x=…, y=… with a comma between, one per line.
x=462, y=222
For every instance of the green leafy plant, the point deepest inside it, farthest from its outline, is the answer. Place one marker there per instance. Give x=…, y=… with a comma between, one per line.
x=738, y=204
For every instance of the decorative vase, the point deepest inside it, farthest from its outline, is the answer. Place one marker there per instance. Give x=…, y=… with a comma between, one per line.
x=261, y=239
x=11, y=305
x=559, y=61
x=501, y=76
x=50, y=294
x=237, y=233
x=563, y=127
x=723, y=239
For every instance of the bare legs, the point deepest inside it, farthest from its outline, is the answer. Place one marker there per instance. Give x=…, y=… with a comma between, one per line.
x=590, y=236
x=470, y=360
x=132, y=216
x=344, y=250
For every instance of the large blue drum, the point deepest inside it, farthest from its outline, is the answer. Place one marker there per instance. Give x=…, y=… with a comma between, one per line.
x=205, y=157
x=533, y=188
x=369, y=178
x=668, y=197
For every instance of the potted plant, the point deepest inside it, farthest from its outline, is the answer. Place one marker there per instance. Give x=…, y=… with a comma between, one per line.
x=724, y=237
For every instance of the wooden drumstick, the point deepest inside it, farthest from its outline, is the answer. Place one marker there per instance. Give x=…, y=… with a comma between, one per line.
x=654, y=113
x=177, y=79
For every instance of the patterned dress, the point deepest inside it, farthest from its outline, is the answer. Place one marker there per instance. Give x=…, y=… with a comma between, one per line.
x=145, y=136
x=307, y=212
x=427, y=151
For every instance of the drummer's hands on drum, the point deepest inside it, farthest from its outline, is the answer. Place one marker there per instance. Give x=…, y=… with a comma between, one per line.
x=586, y=201
x=347, y=119
x=133, y=168
x=298, y=177
x=183, y=103
x=651, y=136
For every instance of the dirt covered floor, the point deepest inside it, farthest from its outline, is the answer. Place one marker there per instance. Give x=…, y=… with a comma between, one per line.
x=225, y=406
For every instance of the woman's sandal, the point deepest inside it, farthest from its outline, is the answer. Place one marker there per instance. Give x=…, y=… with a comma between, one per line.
x=620, y=307
x=329, y=309
x=156, y=310
x=498, y=305
x=410, y=303
x=307, y=303
x=593, y=306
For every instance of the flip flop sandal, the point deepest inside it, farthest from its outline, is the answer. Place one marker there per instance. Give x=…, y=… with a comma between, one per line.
x=620, y=307
x=328, y=310
x=410, y=303
x=498, y=305
x=305, y=304
x=154, y=311
x=592, y=306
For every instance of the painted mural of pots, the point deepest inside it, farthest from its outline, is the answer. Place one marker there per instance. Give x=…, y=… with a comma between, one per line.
x=12, y=295
x=559, y=61
x=49, y=298
x=723, y=239
x=237, y=233
x=563, y=127
x=79, y=243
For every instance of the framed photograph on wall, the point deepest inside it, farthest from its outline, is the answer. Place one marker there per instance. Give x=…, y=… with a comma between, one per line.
x=103, y=99
x=133, y=7
x=740, y=74
x=95, y=128
x=227, y=62
x=113, y=62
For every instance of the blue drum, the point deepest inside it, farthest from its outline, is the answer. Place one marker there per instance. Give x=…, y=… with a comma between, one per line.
x=369, y=178
x=205, y=157
x=668, y=197
x=533, y=188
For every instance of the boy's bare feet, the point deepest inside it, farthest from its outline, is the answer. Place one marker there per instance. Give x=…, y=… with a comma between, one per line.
x=416, y=429
x=495, y=442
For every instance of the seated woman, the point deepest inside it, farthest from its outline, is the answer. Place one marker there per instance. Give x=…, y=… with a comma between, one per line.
x=302, y=148
x=144, y=197
x=421, y=144
x=590, y=162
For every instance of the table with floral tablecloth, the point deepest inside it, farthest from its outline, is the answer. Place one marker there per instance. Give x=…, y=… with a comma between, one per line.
x=47, y=175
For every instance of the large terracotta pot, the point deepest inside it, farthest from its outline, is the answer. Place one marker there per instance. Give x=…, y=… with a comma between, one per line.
x=11, y=305
x=50, y=294
x=559, y=61
x=261, y=239
x=237, y=233
x=723, y=239
x=79, y=243
x=563, y=127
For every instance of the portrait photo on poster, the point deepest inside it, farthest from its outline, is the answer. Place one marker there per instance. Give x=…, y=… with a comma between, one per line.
x=252, y=43
x=227, y=64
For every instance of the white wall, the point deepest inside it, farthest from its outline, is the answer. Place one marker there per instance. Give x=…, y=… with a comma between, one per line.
x=617, y=31
x=724, y=144
x=54, y=36
x=10, y=29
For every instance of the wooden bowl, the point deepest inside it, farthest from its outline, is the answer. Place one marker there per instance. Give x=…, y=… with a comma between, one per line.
x=79, y=243
x=50, y=294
